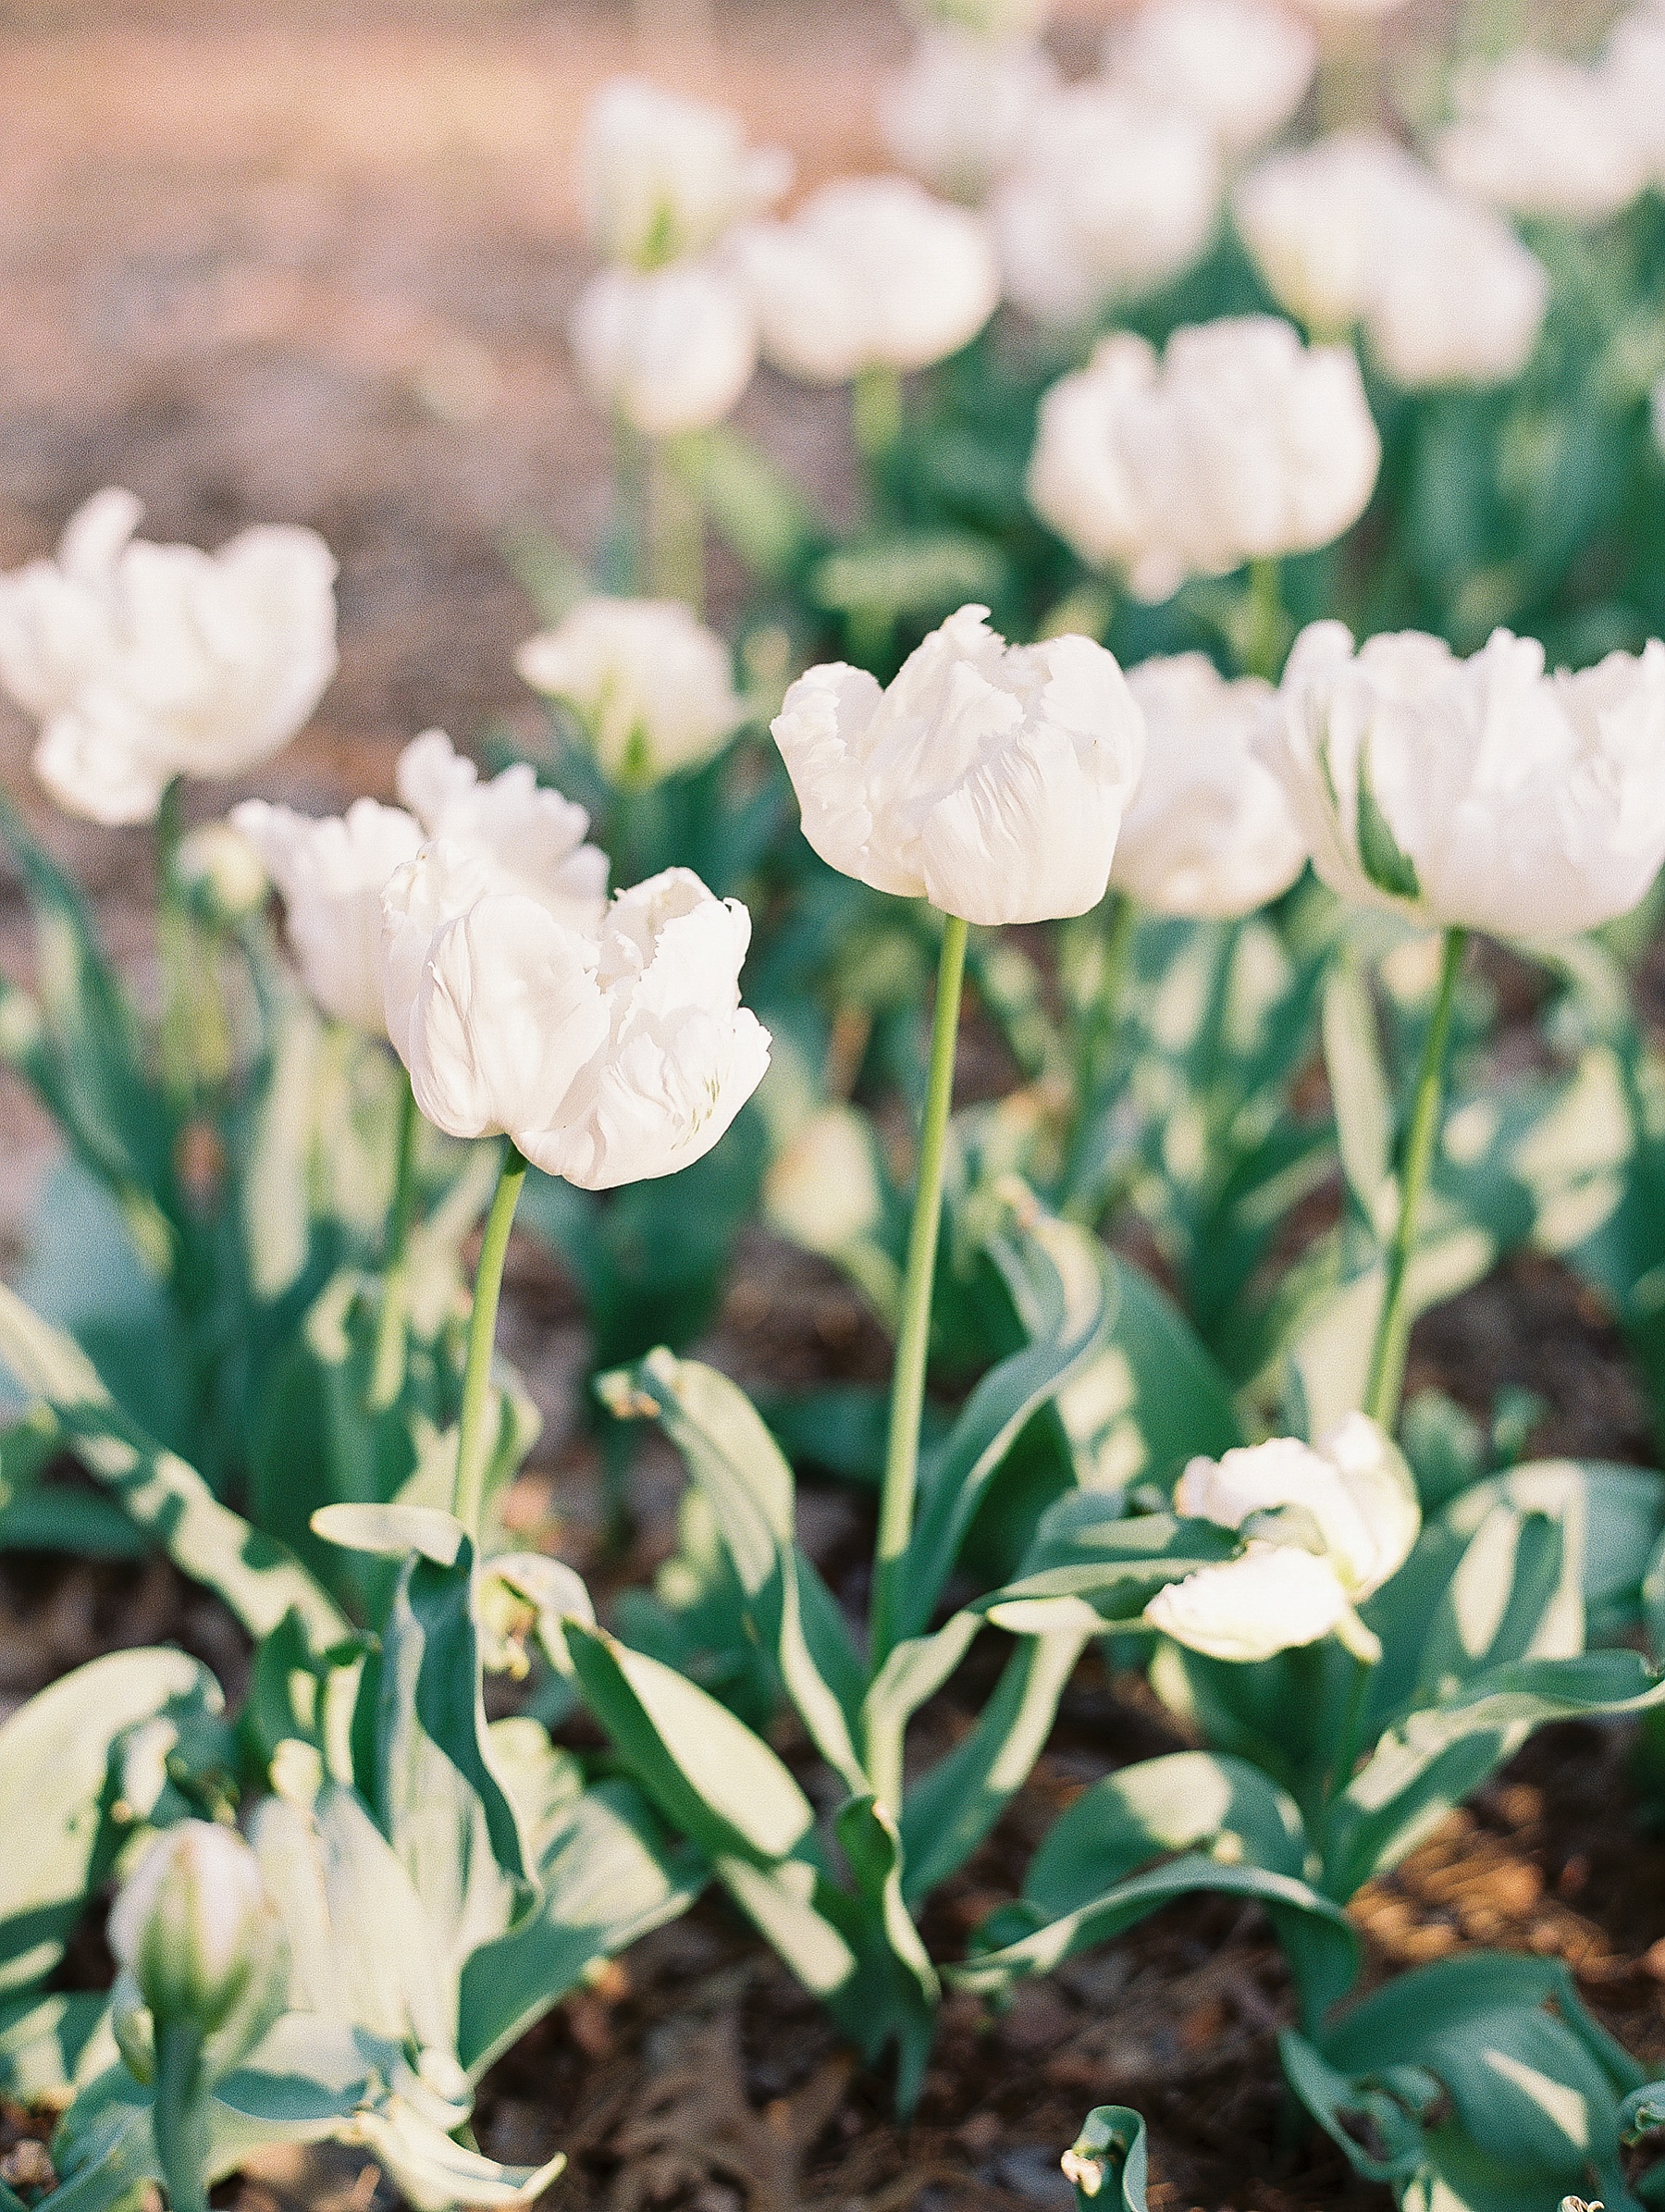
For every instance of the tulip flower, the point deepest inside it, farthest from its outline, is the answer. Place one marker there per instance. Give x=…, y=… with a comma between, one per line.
x=529, y=840
x=1538, y=135
x=1483, y=794
x=652, y=684
x=1210, y=833
x=663, y=177
x=1237, y=445
x=666, y=352
x=1632, y=70
x=1111, y=195
x=870, y=273
x=1356, y=230
x=144, y=663
x=988, y=779
x=1241, y=66
x=1324, y=1528
x=956, y=116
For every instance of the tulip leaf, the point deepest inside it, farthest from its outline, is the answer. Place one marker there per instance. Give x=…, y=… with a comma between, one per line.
x=1390, y=868
x=1363, y=1105
x=59, y=1756
x=1110, y=2147
x=257, y=1577
x=105, y=2148
x=1479, y=2081
x=749, y=1487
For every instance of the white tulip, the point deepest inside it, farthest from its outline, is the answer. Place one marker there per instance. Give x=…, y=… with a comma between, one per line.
x=1242, y=66
x=1632, y=73
x=871, y=272
x=988, y=779
x=1355, y=230
x=1239, y=444
x=1541, y=136
x=955, y=116
x=663, y=177
x=192, y=1924
x=667, y=350
x=608, y=1057
x=1326, y=1527
x=1209, y=833
x=143, y=662
x=652, y=684
x=1111, y=196
x=331, y=875
x=530, y=840
x=1482, y=794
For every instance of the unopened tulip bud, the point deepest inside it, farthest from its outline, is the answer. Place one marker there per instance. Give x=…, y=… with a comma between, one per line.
x=220, y=873
x=194, y=1928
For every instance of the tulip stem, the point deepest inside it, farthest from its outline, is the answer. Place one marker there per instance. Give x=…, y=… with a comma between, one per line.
x=907, y=1385
x=1268, y=626
x=675, y=529
x=1393, y=1329
x=876, y=412
x=474, y=1444
x=386, y=1370
x=178, y=2114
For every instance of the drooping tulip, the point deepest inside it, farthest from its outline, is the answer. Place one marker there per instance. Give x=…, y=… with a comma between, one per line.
x=1485, y=793
x=143, y=662
x=1210, y=833
x=666, y=350
x=1326, y=1526
x=608, y=1056
x=1237, y=444
x=663, y=177
x=989, y=779
x=652, y=684
x=870, y=273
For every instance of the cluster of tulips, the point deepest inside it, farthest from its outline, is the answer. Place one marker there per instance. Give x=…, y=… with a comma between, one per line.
x=1182, y=846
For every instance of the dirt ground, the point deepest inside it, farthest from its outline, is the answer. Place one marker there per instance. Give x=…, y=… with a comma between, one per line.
x=313, y=264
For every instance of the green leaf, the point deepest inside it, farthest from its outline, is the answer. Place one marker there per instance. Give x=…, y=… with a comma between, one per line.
x=749, y=1487
x=62, y=1827
x=255, y=1576
x=753, y=505
x=1389, y=867
x=1110, y=2148
x=1363, y=1105
x=51, y=2046
x=921, y=573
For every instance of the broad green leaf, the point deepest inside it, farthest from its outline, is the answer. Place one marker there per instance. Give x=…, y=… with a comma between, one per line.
x=1363, y=1105
x=753, y=505
x=104, y=2150
x=64, y=1827
x=749, y=1487
x=255, y=1576
x=51, y=2046
x=1109, y=2152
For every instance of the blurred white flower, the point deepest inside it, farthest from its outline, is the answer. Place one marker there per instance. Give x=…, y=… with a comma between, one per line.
x=1356, y=230
x=1326, y=1527
x=221, y=872
x=1482, y=794
x=871, y=272
x=331, y=872
x=1209, y=832
x=1242, y=66
x=988, y=779
x=955, y=116
x=1632, y=70
x=663, y=177
x=1238, y=444
x=608, y=1057
x=986, y=19
x=1540, y=136
x=330, y=875
x=531, y=840
x=667, y=351
x=192, y=1924
x=651, y=683
x=1111, y=196
x=143, y=662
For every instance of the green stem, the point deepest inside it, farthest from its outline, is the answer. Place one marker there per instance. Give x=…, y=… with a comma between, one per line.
x=1393, y=1329
x=908, y=1386
x=179, y=2115
x=173, y=953
x=675, y=529
x=1108, y=946
x=1269, y=624
x=876, y=412
x=1339, y=1772
x=474, y=1443
x=386, y=1370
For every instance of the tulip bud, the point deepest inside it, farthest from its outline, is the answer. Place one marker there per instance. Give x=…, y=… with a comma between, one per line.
x=144, y=663
x=195, y=1929
x=219, y=872
x=667, y=350
x=663, y=177
x=650, y=681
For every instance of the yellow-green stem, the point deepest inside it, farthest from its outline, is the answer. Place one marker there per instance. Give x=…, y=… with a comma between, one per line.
x=173, y=953
x=675, y=529
x=1268, y=623
x=876, y=412
x=1393, y=1331
x=913, y=1339
x=473, y=1438
x=386, y=1370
